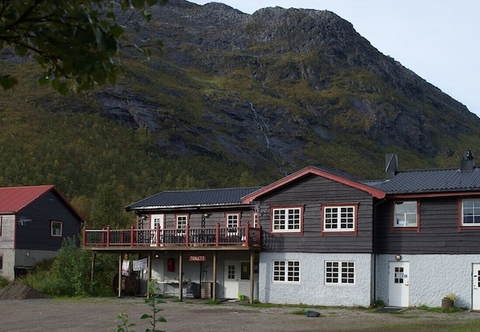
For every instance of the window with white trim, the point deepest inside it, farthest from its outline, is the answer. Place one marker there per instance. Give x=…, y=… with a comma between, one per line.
x=339, y=218
x=181, y=222
x=232, y=223
x=471, y=212
x=339, y=273
x=56, y=228
x=286, y=219
x=286, y=271
x=405, y=213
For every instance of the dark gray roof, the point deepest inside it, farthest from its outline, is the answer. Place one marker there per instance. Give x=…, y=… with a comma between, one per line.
x=430, y=180
x=193, y=198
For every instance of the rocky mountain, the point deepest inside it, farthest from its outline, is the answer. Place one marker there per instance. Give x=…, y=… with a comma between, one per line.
x=269, y=93
x=284, y=87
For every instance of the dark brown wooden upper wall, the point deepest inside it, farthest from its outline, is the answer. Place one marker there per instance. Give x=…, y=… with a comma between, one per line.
x=313, y=191
x=438, y=232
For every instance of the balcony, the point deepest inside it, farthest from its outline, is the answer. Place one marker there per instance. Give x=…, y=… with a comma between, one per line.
x=172, y=238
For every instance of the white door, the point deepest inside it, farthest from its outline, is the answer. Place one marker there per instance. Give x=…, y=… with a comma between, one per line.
x=398, y=284
x=156, y=220
x=232, y=279
x=476, y=287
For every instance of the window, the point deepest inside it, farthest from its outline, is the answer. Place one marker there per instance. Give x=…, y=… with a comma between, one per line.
x=232, y=223
x=286, y=271
x=245, y=270
x=339, y=273
x=287, y=220
x=1, y=263
x=56, y=228
x=181, y=223
x=1, y=225
x=405, y=214
x=339, y=218
x=471, y=212
x=231, y=274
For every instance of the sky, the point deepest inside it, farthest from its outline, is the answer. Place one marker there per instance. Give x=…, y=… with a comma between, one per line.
x=439, y=40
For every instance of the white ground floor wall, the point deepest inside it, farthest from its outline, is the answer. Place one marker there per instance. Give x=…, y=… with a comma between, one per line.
x=312, y=287
x=431, y=277
x=167, y=279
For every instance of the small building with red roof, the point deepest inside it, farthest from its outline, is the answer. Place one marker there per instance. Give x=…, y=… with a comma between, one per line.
x=34, y=220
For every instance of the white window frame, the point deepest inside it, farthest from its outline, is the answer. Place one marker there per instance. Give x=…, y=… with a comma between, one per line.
x=339, y=218
x=287, y=219
x=473, y=212
x=340, y=273
x=181, y=222
x=232, y=221
x=52, y=228
x=286, y=271
x=403, y=214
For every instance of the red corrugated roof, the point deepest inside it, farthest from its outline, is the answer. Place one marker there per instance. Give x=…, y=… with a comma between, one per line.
x=13, y=199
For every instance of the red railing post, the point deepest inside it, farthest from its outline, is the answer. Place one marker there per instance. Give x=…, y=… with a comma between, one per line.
x=247, y=234
x=157, y=235
x=108, y=236
x=217, y=234
x=131, y=236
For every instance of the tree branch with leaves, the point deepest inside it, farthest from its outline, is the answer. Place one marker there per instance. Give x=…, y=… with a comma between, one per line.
x=77, y=43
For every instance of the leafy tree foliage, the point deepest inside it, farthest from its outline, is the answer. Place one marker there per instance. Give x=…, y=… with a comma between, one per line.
x=107, y=208
x=69, y=273
x=77, y=43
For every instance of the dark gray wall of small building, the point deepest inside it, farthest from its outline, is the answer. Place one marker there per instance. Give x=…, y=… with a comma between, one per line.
x=34, y=234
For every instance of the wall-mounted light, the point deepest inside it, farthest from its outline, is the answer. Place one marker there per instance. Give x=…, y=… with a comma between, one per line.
x=398, y=257
x=206, y=215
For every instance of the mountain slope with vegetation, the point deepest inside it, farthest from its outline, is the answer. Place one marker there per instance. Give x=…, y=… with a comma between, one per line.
x=233, y=99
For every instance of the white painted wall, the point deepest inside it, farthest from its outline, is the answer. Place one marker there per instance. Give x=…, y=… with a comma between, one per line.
x=431, y=278
x=7, y=239
x=312, y=289
x=191, y=272
x=8, y=271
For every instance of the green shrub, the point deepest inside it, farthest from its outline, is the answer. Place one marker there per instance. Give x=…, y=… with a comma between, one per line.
x=69, y=273
x=3, y=282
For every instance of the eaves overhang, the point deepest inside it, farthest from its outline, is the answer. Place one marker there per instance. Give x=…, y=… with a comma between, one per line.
x=186, y=207
x=433, y=194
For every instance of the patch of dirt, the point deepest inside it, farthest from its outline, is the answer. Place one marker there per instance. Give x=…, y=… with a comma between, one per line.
x=20, y=291
x=98, y=315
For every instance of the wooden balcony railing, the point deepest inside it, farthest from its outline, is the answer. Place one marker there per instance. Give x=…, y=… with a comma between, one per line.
x=187, y=237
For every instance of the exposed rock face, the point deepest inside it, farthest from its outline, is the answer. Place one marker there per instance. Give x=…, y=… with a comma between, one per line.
x=266, y=86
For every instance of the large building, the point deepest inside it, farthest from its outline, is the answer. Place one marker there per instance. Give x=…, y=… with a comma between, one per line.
x=316, y=237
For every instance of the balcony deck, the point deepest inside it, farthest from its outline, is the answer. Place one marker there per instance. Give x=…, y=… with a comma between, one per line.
x=214, y=238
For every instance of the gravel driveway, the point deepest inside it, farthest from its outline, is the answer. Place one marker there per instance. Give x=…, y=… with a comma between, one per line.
x=98, y=314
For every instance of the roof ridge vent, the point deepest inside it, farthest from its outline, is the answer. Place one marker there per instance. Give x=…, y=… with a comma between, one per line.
x=468, y=163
